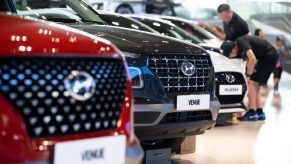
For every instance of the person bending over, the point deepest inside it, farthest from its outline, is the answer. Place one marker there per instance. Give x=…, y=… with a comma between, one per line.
x=261, y=59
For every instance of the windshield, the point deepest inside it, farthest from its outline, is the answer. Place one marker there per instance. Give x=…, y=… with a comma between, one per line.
x=202, y=32
x=188, y=12
x=193, y=29
x=66, y=11
x=121, y=21
x=169, y=30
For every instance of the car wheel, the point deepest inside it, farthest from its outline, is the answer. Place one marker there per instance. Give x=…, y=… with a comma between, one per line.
x=124, y=9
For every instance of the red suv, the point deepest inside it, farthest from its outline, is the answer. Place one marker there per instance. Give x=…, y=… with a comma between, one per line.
x=65, y=96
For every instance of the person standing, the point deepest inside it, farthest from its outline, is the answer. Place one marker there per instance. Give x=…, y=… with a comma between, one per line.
x=283, y=55
x=234, y=26
x=261, y=59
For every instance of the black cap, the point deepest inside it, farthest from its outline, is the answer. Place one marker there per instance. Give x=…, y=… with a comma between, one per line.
x=278, y=38
x=227, y=47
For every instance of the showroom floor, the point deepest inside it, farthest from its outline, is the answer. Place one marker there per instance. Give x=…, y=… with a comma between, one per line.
x=250, y=142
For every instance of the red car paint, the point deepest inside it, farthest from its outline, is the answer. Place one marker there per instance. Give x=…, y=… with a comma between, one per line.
x=23, y=37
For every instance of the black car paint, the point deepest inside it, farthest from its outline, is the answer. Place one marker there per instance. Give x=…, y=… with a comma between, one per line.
x=126, y=22
x=144, y=44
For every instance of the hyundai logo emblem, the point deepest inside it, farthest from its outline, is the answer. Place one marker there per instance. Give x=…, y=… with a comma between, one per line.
x=188, y=68
x=80, y=85
x=230, y=78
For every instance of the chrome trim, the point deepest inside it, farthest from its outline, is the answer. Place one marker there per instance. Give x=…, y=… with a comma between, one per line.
x=169, y=108
x=231, y=110
x=167, y=67
x=140, y=74
x=231, y=105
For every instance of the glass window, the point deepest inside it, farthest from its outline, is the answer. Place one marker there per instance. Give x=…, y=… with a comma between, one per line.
x=168, y=30
x=58, y=10
x=122, y=21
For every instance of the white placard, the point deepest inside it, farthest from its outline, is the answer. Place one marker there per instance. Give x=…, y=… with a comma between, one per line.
x=193, y=102
x=105, y=150
x=230, y=90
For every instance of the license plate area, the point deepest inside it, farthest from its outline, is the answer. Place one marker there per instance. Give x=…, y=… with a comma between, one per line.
x=192, y=102
x=105, y=150
x=226, y=90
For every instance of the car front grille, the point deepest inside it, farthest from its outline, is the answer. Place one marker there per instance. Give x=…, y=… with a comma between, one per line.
x=167, y=67
x=191, y=116
x=221, y=80
x=35, y=87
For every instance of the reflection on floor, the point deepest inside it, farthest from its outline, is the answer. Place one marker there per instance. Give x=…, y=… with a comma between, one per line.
x=258, y=142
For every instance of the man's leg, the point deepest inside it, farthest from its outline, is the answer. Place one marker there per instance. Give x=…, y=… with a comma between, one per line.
x=277, y=76
x=251, y=114
x=260, y=112
x=252, y=95
x=258, y=97
x=276, y=85
x=276, y=79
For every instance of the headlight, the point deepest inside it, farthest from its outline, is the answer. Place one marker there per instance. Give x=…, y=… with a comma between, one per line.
x=136, y=77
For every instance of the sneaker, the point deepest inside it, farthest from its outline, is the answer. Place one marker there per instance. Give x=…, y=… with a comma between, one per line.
x=261, y=116
x=249, y=116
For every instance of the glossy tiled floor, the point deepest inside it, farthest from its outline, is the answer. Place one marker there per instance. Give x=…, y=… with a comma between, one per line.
x=258, y=142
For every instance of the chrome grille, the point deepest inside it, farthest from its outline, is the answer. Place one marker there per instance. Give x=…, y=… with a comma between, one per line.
x=35, y=86
x=168, y=68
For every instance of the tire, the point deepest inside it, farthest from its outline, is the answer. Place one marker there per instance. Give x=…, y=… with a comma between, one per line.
x=124, y=9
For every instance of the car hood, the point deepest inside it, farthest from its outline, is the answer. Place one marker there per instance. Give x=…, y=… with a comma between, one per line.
x=215, y=43
x=37, y=38
x=139, y=42
x=223, y=64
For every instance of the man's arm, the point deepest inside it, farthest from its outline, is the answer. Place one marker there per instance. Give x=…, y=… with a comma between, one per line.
x=251, y=61
x=220, y=34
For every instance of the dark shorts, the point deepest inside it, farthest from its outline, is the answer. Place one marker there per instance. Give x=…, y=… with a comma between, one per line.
x=264, y=69
x=278, y=72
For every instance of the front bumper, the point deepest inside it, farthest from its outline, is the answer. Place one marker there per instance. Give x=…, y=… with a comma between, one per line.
x=148, y=118
x=134, y=155
x=232, y=108
x=165, y=131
